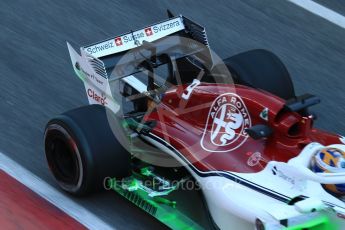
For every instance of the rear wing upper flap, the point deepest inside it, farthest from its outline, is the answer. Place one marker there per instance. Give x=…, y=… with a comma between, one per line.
x=110, y=51
x=134, y=39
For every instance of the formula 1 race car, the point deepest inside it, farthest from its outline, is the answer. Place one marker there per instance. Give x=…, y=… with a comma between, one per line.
x=166, y=110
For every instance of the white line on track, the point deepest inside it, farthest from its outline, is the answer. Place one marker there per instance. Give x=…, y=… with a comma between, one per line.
x=50, y=194
x=321, y=11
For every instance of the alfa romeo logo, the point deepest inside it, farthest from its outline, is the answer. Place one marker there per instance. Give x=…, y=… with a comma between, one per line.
x=226, y=124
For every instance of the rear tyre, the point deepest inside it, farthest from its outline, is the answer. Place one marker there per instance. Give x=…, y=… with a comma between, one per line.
x=263, y=70
x=82, y=150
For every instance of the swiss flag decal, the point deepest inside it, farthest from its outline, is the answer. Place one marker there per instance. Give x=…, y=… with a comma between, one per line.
x=118, y=41
x=148, y=31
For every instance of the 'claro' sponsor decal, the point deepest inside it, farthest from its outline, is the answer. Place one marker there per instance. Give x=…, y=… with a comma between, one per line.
x=226, y=124
x=101, y=99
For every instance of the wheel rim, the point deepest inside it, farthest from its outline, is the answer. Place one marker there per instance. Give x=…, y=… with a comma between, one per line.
x=65, y=161
x=63, y=158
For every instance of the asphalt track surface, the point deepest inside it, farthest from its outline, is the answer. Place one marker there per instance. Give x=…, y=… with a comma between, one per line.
x=38, y=82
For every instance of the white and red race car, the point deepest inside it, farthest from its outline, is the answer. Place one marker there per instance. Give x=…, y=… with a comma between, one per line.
x=164, y=109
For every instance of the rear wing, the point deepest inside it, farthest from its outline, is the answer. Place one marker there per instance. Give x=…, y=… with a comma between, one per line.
x=95, y=63
x=150, y=33
x=111, y=50
x=134, y=39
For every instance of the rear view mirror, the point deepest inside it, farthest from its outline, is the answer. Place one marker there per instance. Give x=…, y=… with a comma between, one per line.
x=259, y=131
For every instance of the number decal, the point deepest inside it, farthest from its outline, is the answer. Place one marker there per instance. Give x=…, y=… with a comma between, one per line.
x=188, y=91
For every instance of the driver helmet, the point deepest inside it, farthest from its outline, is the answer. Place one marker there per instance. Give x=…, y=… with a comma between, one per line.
x=330, y=160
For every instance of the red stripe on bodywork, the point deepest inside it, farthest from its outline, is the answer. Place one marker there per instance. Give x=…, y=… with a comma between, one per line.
x=21, y=208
